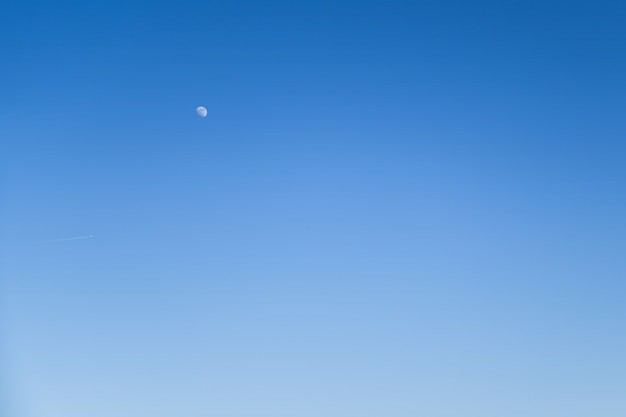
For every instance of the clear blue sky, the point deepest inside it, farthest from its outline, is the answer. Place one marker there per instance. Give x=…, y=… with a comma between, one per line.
x=392, y=209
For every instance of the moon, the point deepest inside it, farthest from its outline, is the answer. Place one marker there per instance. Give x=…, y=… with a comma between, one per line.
x=201, y=110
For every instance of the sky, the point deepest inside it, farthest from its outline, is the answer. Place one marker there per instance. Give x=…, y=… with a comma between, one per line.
x=399, y=208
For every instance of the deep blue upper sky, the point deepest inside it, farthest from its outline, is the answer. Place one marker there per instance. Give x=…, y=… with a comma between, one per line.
x=393, y=208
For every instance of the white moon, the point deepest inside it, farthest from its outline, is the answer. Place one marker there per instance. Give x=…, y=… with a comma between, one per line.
x=201, y=110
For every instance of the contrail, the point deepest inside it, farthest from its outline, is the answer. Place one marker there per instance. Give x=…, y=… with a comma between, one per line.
x=70, y=238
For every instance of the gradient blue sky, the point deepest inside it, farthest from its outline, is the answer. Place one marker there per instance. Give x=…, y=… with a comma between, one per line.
x=392, y=209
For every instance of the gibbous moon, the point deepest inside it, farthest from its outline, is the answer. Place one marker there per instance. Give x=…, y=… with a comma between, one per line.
x=201, y=110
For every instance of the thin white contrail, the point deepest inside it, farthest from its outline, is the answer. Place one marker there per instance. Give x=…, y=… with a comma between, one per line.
x=70, y=238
